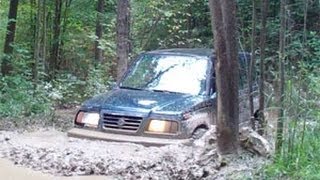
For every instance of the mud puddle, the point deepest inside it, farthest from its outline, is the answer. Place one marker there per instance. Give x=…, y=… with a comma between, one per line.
x=52, y=154
x=9, y=171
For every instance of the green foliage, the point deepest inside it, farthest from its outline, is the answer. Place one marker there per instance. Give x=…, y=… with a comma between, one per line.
x=97, y=81
x=65, y=89
x=171, y=24
x=19, y=98
x=19, y=95
x=300, y=154
x=3, y=21
x=68, y=89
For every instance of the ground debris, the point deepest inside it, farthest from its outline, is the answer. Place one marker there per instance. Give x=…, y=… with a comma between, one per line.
x=253, y=142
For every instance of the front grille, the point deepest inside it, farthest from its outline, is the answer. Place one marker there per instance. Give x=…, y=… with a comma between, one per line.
x=122, y=123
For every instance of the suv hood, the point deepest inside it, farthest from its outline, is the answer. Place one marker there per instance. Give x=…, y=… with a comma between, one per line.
x=144, y=101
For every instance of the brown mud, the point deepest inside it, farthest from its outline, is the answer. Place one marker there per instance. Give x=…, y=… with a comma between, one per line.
x=48, y=153
x=51, y=152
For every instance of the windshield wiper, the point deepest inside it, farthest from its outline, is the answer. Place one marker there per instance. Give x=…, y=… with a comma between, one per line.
x=164, y=91
x=132, y=88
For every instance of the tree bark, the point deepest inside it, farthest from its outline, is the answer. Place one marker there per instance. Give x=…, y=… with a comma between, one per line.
x=263, y=33
x=305, y=15
x=252, y=63
x=98, y=52
x=280, y=123
x=37, y=44
x=6, y=66
x=62, y=63
x=123, y=23
x=55, y=53
x=39, y=51
x=44, y=36
x=227, y=74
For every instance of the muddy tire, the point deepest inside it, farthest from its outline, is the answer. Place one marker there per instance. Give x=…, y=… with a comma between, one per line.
x=198, y=133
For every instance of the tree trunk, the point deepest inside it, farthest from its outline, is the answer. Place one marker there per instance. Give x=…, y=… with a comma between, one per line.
x=279, y=139
x=44, y=37
x=305, y=14
x=252, y=64
x=37, y=44
x=33, y=21
x=62, y=63
x=6, y=66
x=123, y=23
x=98, y=52
x=55, y=54
x=227, y=74
x=39, y=52
x=263, y=33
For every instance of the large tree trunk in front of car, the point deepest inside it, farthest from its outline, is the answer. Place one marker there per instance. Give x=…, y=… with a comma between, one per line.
x=227, y=74
x=123, y=23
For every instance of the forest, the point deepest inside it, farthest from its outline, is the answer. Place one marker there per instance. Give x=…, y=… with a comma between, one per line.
x=55, y=54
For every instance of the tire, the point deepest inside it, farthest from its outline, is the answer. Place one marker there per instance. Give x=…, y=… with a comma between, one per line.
x=198, y=133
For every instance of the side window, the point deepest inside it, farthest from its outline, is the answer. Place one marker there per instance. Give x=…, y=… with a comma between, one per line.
x=243, y=70
x=244, y=60
x=213, y=78
x=213, y=83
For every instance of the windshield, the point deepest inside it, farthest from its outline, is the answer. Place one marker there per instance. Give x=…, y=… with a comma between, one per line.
x=172, y=73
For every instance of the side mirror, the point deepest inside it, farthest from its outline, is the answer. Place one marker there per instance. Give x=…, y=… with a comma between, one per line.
x=112, y=85
x=213, y=95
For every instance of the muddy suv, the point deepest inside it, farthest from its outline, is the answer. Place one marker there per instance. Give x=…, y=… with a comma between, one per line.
x=165, y=97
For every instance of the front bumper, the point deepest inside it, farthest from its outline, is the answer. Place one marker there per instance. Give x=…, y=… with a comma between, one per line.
x=147, y=141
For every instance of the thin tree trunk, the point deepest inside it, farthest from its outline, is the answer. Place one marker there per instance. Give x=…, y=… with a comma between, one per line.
x=62, y=63
x=149, y=34
x=37, y=44
x=44, y=36
x=304, y=46
x=39, y=54
x=98, y=54
x=263, y=34
x=55, y=54
x=6, y=66
x=227, y=74
x=305, y=14
x=280, y=123
x=33, y=21
x=252, y=63
x=123, y=43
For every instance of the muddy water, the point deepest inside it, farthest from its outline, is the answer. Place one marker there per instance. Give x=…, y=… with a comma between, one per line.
x=9, y=171
x=50, y=154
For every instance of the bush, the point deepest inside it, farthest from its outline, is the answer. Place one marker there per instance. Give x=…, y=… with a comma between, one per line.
x=19, y=97
x=68, y=89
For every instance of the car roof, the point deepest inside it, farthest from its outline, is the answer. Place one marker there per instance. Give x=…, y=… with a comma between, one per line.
x=204, y=52
x=184, y=51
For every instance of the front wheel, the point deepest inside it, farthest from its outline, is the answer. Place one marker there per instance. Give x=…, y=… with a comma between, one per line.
x=198, y=133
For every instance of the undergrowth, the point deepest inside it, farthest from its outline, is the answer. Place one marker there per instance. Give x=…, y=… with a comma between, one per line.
x=21, y=97
x=300, y=155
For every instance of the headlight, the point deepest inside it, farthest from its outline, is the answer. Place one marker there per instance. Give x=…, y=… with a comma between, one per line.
x=162, y=127
x=90, y=119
